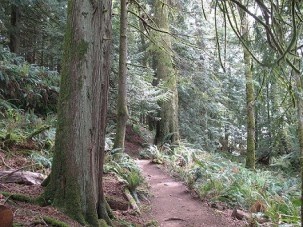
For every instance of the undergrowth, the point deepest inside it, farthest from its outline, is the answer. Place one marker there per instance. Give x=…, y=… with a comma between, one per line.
x=124, y=167
x=26, y=86
x=126, y=170
x=26, y=134
x=218, y=179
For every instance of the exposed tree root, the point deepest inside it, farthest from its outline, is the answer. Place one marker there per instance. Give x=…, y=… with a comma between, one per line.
x=131, y=200
x=54, y=222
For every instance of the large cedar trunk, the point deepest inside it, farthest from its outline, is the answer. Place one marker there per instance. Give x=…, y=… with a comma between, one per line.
x=167, y=128
x=76, y=178
x=250, y=100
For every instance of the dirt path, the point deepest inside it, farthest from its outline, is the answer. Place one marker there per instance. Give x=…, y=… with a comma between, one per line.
x=173, y=206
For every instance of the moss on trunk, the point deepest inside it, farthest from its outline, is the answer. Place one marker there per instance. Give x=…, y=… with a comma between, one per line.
x=299, y=104
x=167, y=128
x=122, y=112
x=79, y=145
x=250, y=99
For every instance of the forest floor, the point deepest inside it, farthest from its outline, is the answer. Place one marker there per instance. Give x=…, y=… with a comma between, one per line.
x=170, y=203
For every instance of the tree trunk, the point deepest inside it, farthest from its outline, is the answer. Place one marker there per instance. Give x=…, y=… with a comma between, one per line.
x=268, y=110
x=122, y=112
x=167, y=128
x=299, y=103
x=76, y=179
x=250, y=102
x=14, y=43
x=143, y=44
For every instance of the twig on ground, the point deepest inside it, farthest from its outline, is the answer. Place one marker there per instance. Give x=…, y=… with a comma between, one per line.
x=5, y=163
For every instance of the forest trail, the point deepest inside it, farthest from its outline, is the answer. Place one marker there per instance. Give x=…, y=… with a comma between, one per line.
x=173, y=206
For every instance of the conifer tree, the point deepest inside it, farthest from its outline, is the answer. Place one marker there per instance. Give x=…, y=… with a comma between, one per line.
x=76, y=179
x=167, y=129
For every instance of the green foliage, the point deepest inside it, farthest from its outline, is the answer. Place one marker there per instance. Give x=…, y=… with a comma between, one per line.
x=15, y=129
x=152, y=152
x=5, y=105
x=41, y=28
x=125, y=167
x=284, y=210
x=219, y=179
x=26, y=86
x=44, y=160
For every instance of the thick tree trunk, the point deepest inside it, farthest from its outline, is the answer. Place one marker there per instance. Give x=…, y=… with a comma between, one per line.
x=167, y=128
x=250, y=100
x=76, y=179
x=122, y=112
x=14, y=43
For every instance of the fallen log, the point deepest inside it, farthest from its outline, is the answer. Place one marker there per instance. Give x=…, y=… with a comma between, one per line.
x=21, y=177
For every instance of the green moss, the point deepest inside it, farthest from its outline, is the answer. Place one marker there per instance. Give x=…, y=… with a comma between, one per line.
x=41, y=201
x=70, y=200
x=102, y=223
x=91, y=215
x=19, y=197
x=81, y=49
x=103, y=212
x=63, y=190
x=54, y=222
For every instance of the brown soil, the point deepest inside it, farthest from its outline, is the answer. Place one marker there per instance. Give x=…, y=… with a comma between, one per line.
x=172, y=204
x=27, y=214
x=133, y=142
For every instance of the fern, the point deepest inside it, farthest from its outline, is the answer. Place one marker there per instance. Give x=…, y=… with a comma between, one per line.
x=27, y=86
x=219, y=179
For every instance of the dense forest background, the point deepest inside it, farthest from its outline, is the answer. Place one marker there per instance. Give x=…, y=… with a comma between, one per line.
x=231, y=87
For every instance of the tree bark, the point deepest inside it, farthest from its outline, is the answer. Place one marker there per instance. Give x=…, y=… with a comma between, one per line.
x=143, y=44
x=299, y=103
x=250, y=100
x=14, y=43
x=76, y=179
x=122, y=112
x=167, y=129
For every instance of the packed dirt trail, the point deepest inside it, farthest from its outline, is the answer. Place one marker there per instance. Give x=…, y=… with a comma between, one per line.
x=173, y=206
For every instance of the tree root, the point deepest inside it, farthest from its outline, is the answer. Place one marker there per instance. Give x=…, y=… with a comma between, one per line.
x=54, y=222
x=20, y=197
x=132, y=201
